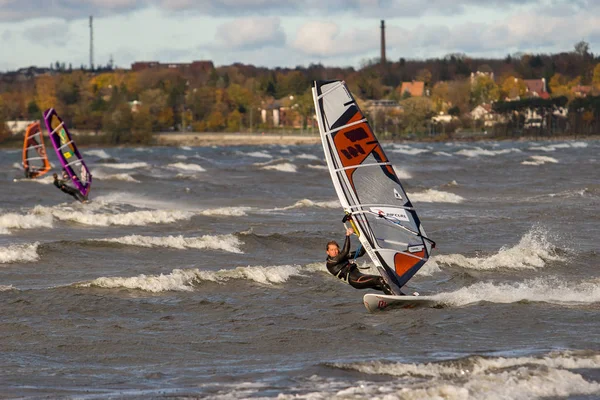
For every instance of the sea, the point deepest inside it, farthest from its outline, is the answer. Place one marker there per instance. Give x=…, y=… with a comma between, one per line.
x=199, y=272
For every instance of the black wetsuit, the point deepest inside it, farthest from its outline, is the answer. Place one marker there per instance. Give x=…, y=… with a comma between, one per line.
x=343, y=267
x=69, y=190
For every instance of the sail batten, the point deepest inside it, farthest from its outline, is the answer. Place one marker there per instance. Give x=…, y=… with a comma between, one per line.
x=368, y=188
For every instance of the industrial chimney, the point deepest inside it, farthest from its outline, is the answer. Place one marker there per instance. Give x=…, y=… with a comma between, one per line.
x=383, y=42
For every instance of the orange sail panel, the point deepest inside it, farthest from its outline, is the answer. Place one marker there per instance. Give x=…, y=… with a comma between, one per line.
x=35, y=159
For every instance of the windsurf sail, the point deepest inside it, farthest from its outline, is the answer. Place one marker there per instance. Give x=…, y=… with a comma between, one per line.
x=67, y=152
x=35, y=159
x=368, y=188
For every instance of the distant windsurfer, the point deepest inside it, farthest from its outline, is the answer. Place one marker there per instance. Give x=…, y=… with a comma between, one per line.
x=62, y=185
x=341, y=265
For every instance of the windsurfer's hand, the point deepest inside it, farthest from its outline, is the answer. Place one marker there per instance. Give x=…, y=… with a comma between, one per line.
x=349, y=231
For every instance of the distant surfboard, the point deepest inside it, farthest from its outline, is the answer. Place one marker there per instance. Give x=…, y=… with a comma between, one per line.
x=374, y=302
x=35, y=158
x=368, y=188
x=67, y=152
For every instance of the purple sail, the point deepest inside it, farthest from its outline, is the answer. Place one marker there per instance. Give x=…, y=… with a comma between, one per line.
x=67, y=152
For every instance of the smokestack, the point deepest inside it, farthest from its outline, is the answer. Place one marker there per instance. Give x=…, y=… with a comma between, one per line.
x=91, y=44
x=383, y=42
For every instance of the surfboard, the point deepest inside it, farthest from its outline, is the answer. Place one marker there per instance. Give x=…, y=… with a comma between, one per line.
x=377, y=302
x=368, y=188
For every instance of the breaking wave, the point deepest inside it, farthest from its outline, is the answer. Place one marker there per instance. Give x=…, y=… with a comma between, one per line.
x=285, y=167
x=226, y=211
x=126, y=165
x=257, y=154
x=533, y=251
x=435, y=196
x=228, y=243
x=539, y=160
x=19, y=253
x=187, y=167
x=113, y=177
x=310, y=203
x=307, y=157
x=478, y=151
x=188, y=279
x=97, y=153
x=28, y=221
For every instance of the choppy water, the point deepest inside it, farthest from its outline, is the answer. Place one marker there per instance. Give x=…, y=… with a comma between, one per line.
x=198, y=272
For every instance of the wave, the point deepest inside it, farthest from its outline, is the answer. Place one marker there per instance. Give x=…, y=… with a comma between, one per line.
x=19, y=253
x=5, y=288
x=477, y=377
x=44, y=180
x=188, y=279
x=187, y=148
x=226, y=211
x=409, y=150
x=442, y=153
x=478, y=151
x=133, y=165
x=180, y=157
x=304, y=156
x=554, y=147
x=285, y=167
x=134, y=218
x=228, y=243
x=97, y=153
x=113, y=177
x=256, y=154
x=402, y=173
x=28, y=221
x=317, y=166
x=187, y=167
x=539, y=160
x=533, y=251
x=310, y=203
x=436, y=196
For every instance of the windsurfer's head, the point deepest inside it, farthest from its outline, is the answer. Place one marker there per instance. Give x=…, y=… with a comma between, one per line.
x=55, y=176
x=333, y=248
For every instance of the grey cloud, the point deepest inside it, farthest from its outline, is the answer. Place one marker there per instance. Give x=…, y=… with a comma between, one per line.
x=53, y=34
x=251, y=33
x=18, y=10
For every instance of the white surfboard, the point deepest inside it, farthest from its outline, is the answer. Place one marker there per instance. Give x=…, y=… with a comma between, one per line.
x=375, y=302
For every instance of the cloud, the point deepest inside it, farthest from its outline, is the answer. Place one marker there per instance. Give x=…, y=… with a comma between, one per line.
x=19, y=10
x=324, y=39
x=251, y=33
x=50, y=34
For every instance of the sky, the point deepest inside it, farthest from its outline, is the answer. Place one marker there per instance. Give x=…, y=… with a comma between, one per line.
x=284, y=33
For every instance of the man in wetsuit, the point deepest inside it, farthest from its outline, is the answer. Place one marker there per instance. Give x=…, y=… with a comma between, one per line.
x=341, y=264
x=61, y=184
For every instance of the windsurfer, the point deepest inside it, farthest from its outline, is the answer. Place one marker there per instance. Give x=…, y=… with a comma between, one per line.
x=341, y=264
x=68, y=189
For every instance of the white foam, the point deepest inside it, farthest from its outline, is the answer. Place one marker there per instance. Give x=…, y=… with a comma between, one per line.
x=228, y=243
x=19, y=253
x=442, y=153
x=44, y=180
x=226, y=211
x=401, y=173
x=180, y=157
x=4, y=288
x=28, y=221
x=285, y=167
x=545, y=289
x=435, y=196
x=539, y=160
x=187, y=148
x=97, y=153
x=257, y=154
x=310, y=203
x=98, y=174
x=307, y=157
x=477, y=378
x=285, y=151
x=17, y=166
x=554, y=147
x=187, y=167
x=186, y=280
x=134, y=218
x=126, y=165
x=478, y=151
x=404, y=149
x=533, y=251
x=317, y=166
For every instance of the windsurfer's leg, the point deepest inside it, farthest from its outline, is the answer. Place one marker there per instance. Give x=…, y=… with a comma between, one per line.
x=364, y=281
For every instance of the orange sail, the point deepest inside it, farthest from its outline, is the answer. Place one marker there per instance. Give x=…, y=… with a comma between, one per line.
x=35, y=159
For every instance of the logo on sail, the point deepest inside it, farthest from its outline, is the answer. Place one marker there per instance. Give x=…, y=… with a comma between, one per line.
x=397, y=195
x=389, y=213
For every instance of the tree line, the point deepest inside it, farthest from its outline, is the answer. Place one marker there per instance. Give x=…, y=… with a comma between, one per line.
x=128, y=106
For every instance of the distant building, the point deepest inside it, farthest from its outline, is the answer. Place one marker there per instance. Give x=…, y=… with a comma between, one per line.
x=537, y=88
x=475, y=75
x=485, y=113
x=414, y=88
x=194, y=66
x=17, y=127
x=581, y=91
x=383, y=105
